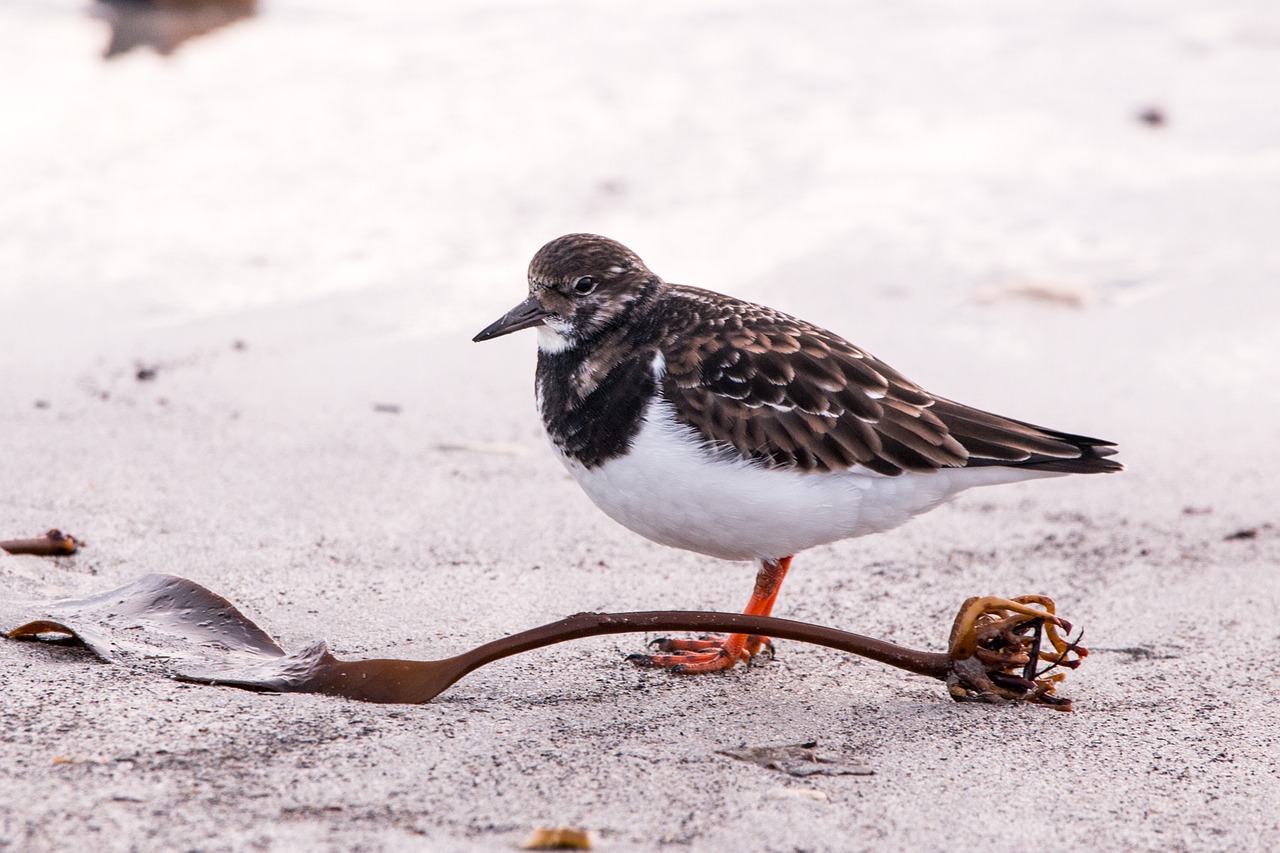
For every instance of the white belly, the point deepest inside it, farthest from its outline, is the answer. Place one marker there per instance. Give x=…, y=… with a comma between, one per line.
x=672, y=491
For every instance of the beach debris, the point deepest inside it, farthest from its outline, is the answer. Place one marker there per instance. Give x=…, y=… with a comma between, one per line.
x=1241, y=534
x=42, y=404
x=557, y=838
x=174, y=626
x=147, y=373
x=495, y=448
x=612, y=187
x=1153, y=116
x=163, y=25
x=996, y=651
x=800, y=759
x=1060, y=295
x=54, y=543
x=386, y=408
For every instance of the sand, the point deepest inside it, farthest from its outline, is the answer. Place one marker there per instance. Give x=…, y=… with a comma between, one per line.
x=305, y=216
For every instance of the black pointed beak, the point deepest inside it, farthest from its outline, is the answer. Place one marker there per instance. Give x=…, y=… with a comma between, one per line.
x=525, y=315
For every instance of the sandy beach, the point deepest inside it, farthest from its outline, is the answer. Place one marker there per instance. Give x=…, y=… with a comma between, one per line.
x=237, y=290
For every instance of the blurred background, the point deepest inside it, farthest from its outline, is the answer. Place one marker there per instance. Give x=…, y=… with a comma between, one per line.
x=919, y=175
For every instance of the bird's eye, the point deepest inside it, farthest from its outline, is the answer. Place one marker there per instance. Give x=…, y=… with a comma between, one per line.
x=584, y=285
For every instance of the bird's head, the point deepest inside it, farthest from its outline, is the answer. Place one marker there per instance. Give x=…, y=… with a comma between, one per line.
x=580, y=286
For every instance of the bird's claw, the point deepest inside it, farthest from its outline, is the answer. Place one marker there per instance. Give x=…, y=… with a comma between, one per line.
x=704, y=654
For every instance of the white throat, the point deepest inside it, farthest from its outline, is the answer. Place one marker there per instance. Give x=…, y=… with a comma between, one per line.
x=550, y=341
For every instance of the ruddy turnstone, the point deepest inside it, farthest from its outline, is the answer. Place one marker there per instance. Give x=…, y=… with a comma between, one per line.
x=712, y=424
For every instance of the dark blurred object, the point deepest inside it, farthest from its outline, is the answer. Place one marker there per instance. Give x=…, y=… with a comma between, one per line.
x=55, y=543
x=1152, y=117
x=165, y=24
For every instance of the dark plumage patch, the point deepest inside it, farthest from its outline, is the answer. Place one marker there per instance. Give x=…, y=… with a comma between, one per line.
x=602, y=424
x=573, y=255
x=772, y=388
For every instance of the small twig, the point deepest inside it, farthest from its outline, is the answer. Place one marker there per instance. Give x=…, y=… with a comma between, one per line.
x=1061, y=660
x=55, y=543
x=1029, y=671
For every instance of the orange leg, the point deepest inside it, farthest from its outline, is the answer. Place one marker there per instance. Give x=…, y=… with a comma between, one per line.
x=712, y=654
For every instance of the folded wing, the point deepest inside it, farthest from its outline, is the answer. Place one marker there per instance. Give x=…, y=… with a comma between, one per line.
x=786, y=393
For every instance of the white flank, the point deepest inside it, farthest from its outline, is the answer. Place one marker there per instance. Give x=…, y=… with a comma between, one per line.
x=673, y=491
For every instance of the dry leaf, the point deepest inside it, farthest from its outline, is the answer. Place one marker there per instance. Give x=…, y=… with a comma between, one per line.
x=801, y=759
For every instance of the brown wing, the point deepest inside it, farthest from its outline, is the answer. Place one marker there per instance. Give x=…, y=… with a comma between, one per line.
x=784, y=392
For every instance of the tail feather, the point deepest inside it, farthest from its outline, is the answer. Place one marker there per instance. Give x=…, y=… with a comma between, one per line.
x=993, y=440
x=1092, y=460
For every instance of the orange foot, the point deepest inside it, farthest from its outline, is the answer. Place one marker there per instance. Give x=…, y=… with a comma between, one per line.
x=713, y=654
x=706, y=654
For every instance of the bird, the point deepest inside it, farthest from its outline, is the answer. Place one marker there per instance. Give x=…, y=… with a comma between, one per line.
x=727, y=428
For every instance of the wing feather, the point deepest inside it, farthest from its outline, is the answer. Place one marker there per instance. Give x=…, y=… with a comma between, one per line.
x=783, y=392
